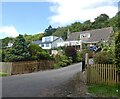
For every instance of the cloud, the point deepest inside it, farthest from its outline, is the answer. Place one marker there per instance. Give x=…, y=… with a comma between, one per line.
x=8, y=31
x=67, y=11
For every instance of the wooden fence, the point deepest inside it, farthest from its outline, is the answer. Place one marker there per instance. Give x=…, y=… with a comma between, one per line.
x=6, y=67
x=26, y=67
x=102, y=74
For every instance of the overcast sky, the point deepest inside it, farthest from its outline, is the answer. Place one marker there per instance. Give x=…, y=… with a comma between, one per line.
x=34, y=17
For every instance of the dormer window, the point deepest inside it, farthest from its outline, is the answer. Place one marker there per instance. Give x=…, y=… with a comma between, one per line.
x=85, y=35
x=47, y=39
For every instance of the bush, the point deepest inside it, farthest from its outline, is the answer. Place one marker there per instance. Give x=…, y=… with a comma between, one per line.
x=37, y=53
x=103, y=58
x=90, y=53
x=79, y=56
x=71, y=52
x=62, y=61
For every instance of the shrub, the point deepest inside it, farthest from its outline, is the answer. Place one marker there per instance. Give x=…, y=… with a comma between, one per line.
x=71, y=52
x=90, y=53
x=37, y=53
x=62, y=61
x=79, y=56
x=103, y=58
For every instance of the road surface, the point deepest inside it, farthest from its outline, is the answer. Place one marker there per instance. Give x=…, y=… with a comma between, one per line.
x=32, y=84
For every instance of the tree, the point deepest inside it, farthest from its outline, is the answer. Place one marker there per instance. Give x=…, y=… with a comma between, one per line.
x=49, y=31
x=6, y=40
x=87, y=25
x=61, y=32
x=37, y=53
x=19, y=50
x=101, y=21
x=71, y=53
x=76, y=27
x=30, y=38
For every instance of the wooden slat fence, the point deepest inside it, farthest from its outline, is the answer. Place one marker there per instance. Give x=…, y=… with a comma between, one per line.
x=102, y=74
x=27, y=66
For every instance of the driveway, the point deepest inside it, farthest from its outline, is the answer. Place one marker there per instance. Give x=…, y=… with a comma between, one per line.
x=33, y=84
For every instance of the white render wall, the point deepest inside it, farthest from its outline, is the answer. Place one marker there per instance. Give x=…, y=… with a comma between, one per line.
x=68, y=43
x=52, y=38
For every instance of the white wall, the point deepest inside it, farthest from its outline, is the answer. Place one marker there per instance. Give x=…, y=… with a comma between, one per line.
x=52, y=38
x=68, y=43
x=50, y=46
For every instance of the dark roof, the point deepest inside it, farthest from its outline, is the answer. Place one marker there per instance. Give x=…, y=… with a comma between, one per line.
x=37, y=42
x=40, y=42
x=96, y=35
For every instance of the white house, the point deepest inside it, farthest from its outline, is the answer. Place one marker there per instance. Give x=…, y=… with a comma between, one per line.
x=48, y=42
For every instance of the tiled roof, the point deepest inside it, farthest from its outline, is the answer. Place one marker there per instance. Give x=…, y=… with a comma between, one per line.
x=96, y=35
x=37, y=42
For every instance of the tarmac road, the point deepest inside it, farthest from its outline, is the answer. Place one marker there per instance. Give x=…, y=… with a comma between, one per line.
x=32, y=84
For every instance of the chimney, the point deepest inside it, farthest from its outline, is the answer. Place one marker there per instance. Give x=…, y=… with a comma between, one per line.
x=68, y=33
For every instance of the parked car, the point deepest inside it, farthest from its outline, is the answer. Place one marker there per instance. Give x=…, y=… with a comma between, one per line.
x=94, y=48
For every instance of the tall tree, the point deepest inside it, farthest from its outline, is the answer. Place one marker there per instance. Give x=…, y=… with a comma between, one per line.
x=86, y=25
x=19, y=50
x=49, y=31
x=101, y=21
x=75, y=27
x=61, y=32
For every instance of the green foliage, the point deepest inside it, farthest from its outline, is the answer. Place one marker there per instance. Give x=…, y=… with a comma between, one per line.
x=49, y=31
x=79, y=56
x=6, y=40
x=101, y=21
x=76, y=27
x=71, y=52
x=61, y=32
x=90, y=53
x=117, y=51
x=30, y=38
x=37, y=53
x=103, y=90
x=87, y=25
x=2, y=55
x=3, y=74
x=62, y=61
x=103, y=58
x=19, y=50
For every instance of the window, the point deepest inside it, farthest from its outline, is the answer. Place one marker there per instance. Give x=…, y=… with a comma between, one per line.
x=47, y=39
x=42, y=45
x=86, y=35
x=47, y=45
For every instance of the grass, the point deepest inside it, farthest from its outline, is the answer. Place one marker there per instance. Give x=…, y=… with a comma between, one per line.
x=3, y=74
x=103, y=90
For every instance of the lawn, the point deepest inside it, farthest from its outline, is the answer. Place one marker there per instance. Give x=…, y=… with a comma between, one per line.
x=103, y=90
x=3, y=74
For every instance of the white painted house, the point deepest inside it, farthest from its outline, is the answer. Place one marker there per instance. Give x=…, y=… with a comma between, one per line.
x=48, y=42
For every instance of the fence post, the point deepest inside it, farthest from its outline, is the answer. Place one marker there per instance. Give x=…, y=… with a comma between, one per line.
x=86, y=59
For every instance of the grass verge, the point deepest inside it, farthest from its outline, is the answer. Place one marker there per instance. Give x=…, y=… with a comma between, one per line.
x=103, y=90
x=3, y=74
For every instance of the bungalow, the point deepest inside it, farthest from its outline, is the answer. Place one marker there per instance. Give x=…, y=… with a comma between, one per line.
x=90, y=37
x=48, y=42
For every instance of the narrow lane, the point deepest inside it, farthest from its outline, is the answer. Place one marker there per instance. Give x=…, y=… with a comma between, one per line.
x=31, y=85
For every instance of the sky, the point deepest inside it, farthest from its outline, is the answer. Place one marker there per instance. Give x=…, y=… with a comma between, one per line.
x=26, y=17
